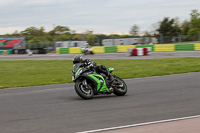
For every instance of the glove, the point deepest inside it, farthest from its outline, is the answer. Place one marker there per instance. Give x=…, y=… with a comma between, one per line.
x=87, y=62
x=90, y=66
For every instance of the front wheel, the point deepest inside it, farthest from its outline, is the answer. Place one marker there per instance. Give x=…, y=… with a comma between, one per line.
x=120, y=90
x=85, y=92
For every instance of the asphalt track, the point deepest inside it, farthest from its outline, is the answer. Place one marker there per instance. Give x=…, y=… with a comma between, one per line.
x=153, y=55
x=57, y=108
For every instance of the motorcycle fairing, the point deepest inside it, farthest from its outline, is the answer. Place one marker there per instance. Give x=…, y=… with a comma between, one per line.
x=97, y=79
x=101, y=84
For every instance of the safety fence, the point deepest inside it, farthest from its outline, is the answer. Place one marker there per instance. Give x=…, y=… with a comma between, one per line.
x=6, y=52
x=124, y=48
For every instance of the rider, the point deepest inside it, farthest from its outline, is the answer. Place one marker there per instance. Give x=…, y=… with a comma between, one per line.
x=91, y=64
x=86, y=45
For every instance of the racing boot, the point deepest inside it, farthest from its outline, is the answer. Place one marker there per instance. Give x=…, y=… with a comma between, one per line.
x=113, y=82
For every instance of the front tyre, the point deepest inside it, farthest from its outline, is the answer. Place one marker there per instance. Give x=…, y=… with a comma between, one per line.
x=82, y=91
x=120, y=90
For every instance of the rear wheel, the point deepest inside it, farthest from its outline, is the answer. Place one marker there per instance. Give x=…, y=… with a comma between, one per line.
x=121, y=89
x=85, y=92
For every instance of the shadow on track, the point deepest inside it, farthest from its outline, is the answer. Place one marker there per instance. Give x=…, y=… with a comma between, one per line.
x=96, y=97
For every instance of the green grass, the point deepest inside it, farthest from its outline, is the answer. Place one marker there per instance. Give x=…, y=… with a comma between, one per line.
x=32, y=73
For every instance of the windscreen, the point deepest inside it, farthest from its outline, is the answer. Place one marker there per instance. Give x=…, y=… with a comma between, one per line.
x=76, y=67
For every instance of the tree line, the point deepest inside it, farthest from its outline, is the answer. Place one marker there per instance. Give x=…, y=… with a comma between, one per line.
x=190, y=29
x=170, y=27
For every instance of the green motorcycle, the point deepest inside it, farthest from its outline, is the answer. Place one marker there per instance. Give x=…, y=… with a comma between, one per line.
x=88, y=83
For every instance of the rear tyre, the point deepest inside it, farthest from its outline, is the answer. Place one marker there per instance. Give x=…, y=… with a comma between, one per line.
x=82, y=91
x=120, y=91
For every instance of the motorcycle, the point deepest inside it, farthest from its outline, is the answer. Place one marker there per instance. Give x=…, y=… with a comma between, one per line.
x=87, y=51
x=89, y=83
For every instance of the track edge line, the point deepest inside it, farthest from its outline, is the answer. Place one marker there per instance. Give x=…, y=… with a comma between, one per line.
x=140, y=124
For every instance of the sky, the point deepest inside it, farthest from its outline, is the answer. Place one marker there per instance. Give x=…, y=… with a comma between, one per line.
x=99, y=16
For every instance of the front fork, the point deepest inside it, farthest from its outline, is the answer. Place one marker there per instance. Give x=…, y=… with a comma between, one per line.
x=84, y=83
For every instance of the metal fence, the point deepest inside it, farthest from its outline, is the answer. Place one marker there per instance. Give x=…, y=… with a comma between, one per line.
x=177, y=39
x=47, y=45
x=160, y=39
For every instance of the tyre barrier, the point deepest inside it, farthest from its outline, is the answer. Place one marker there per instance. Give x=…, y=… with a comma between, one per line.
x=164, y=47
x=197, y=47
x=6, y=52
x=1, y=52
x=125, y=48
x=139, y=51
x=98, y=49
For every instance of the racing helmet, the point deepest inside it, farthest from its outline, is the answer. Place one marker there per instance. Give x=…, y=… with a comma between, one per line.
x=77, y=59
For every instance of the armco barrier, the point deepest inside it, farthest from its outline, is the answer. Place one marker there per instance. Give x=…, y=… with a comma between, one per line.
x=184, y=47
x=99, y=49
x=164, y=47
x=197, y=47
x=75, y=50
x=110, y=49
x=124, y=48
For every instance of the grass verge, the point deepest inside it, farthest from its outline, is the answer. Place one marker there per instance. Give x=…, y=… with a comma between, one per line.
x=34, y=72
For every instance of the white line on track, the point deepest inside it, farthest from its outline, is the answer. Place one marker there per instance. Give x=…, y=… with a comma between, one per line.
x=140, y=124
